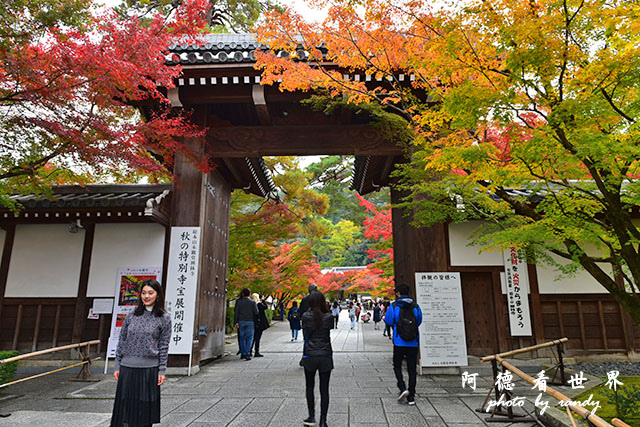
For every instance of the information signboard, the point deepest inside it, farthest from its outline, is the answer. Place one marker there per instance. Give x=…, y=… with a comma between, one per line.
x=182, y=284
x=442, y=334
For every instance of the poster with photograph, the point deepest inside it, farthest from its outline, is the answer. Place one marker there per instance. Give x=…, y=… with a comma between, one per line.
x=128, y=284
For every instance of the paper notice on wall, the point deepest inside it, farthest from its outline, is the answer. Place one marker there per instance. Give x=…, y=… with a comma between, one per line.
x=517, y=281
x=103, y=306
x=442, y=333
x=182, y=284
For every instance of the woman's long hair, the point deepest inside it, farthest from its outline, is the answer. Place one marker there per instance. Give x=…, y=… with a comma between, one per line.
x=318, y=304
x=158, y=307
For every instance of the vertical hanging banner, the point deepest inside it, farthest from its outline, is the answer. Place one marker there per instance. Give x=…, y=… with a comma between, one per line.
x=182, y=284
x=517, y=278
x=128, y=284
x=442, y=335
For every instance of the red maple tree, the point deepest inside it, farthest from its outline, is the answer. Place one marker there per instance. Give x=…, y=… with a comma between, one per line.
x=69, y=88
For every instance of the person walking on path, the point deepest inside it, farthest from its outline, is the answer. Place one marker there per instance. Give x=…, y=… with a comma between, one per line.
x=404, y=315
x=244, y=317
x=387, y=328
x=358, y=310
x=304, y=306
x=294, y=322
x=317, y=355
x=335, y=312
x=352, y=315
x=377, y=316
x=141, y=360
x=262, y=323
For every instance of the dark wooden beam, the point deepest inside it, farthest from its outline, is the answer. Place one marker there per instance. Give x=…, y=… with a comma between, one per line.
x=232, y=94
x=80, y=312
x=4, y=264
x=165, y=258
x=536, y=306
x=239, y=179
x=260, y=103
x=499, y=312
x=96, y=215
x=257, y=141
x=389, y=162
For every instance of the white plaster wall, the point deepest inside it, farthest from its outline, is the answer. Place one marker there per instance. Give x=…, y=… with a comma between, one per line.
x=122, y=245
x=581, y=283
x=45, y=261
x=464, y=255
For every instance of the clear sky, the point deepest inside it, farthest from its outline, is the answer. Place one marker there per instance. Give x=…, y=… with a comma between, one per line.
x=298, y=5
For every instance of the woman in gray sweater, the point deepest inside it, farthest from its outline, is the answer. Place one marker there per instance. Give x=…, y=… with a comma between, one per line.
x=141, y=360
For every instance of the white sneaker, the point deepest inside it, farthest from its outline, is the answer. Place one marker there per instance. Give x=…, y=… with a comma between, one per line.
x=403, y=394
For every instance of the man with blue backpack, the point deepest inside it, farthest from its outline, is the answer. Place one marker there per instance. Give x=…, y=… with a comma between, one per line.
x=404, y=315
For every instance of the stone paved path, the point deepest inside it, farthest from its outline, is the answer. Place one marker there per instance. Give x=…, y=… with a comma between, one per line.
x=269, y=391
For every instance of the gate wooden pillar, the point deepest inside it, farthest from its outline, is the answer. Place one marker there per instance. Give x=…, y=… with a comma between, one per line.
x=427, y=250
x=202, y=199
x=416, y=249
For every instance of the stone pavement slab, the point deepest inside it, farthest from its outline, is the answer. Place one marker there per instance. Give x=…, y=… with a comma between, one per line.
x=42, y=418
x=270, y=391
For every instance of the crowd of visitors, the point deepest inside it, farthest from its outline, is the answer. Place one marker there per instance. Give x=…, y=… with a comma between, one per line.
x=142, y=352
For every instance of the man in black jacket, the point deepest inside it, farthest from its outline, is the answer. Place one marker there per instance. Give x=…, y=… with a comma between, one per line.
x=244, y=317
x=304, y=304
x=304, y=307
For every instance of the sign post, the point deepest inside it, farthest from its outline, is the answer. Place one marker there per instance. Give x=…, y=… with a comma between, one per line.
x=442, y=334
x=517, y=276
x=182, y=284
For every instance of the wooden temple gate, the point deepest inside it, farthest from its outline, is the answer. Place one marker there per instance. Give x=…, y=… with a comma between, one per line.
x=245, y=121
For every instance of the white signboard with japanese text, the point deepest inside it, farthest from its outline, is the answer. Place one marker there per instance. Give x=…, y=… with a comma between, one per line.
x=442, y=334
x=128, y=284
x=182, y=284
x=517, y=281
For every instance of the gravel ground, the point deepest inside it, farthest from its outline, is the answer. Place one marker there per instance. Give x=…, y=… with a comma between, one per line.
x=601, y=369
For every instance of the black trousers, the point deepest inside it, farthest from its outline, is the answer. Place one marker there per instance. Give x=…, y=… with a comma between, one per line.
x=324, y=392
x=411, y=354
x=256, y=340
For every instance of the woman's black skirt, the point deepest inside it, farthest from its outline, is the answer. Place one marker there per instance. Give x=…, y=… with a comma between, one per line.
x=318, y=363
x=137, y=398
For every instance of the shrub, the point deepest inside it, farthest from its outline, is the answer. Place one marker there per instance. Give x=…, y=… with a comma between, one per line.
x=228, y=322
x=8, y=370
x=626, y=402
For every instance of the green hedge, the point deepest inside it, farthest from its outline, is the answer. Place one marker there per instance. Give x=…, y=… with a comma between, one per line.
x=8, y=370
x=228, y=323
